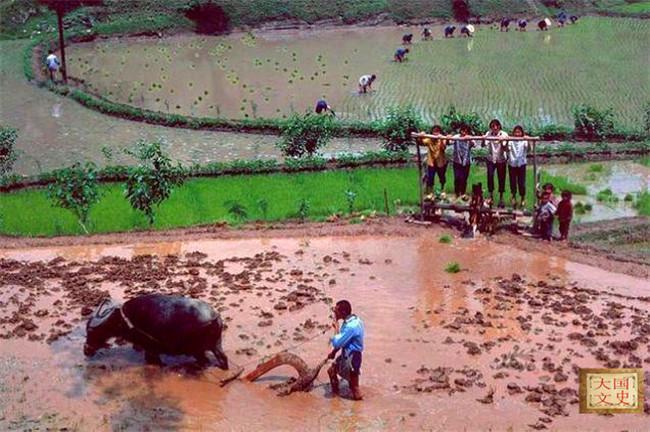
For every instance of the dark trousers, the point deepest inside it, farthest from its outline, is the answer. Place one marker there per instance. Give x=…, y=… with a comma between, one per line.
x=517, y=180
x=461, y=174
x=440, y=171
x=546, y=228
x=500, y=168
x=564, y=228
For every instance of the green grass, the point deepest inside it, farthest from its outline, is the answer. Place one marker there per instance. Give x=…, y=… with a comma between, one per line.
x=452, y=267
x=637, y=8
x=209, y=200
x=642, y=203
x=445, y=238
x=596, y=168
x=645, y=161
x=607, y=196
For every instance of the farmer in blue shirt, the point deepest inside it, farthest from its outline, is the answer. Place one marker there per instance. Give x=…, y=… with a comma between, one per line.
x=350, y=340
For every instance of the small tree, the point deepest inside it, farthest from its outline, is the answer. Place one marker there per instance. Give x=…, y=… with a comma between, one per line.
x=397, y=126
x=591, y=122
x=461, y=11
x=153, y=180
x=304, y=134
x=61, y=8
x=453, y=120
x=8, y=156
x=237, y=210
x=76, y=189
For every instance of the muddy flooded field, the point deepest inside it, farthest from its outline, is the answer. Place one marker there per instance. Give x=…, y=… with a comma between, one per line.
x=497, y=344
x=624, y=179
x=273, y=73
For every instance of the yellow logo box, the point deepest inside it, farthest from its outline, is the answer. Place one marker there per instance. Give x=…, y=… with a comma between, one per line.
x=615, y=391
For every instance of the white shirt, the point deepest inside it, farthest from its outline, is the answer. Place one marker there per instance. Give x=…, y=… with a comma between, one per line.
x=496, y=149
x=52, y=61
x=517, y=153
x=365, y=80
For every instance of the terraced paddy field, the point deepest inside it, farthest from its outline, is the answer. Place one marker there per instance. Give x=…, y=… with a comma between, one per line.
x=532, y=77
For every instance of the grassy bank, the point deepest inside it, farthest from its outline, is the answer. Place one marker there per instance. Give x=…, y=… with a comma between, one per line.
x=203, y=201
x=19, y=18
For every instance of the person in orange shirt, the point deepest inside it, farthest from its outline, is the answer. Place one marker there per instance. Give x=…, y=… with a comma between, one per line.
x=436, y=160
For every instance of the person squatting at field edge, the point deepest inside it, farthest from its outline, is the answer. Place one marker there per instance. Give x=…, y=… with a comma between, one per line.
x=546, y=212
x=462, y=159
x=436, y=161
x=323, y=107
x=349, y=339
x=517, y=152
x=496, y=160
x=565, y=214
x=365, y=83
x=400, y=54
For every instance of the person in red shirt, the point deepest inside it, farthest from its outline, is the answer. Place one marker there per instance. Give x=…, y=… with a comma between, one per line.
x=565, y=214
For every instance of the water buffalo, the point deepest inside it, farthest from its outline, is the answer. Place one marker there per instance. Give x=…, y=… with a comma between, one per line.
x=449, y=31
x=407, y=39
x=522, y=23
x=505, y=24
x=160, y=324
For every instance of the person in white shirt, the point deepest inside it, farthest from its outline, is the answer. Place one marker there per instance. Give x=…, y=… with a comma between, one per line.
x=496, y=160
x=365, y=83
x=53, y=64
x=517, y=152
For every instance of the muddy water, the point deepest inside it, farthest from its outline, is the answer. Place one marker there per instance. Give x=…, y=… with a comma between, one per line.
x=55, y=131
x=417, y=318
x=270, y=74
x=622, y=178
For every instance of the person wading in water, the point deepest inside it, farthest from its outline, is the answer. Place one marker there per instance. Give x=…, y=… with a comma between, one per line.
x=350, y=340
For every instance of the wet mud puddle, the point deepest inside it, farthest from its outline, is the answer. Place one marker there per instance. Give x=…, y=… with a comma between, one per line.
x=496, y=345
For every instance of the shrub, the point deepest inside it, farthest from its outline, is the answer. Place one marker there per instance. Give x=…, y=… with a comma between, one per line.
x=642, y=203
x=445, y=238
x=304, y=134
x=628, y=197
x=397, y=126
x=209, y=17
x=76, y=189
x=452, y=267
x=606, y=196
x=593, y=123
x=350, y=197
x=8, y=156
x=303, y=209
x=453, y=120
x=237, y=210
x=153, y=180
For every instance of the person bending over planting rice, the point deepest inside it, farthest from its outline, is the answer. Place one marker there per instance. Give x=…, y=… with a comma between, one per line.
x=426, y=34
x=517, y=152
x=400, y=54
x=365, y=83
x=323, y=107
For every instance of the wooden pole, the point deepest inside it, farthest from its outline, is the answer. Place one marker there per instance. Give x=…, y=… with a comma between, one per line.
x=64, y=71
x=417, y=146
x=472, y=137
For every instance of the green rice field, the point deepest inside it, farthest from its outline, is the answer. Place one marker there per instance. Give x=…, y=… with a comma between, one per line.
x=529, y=77
x=207, y=200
